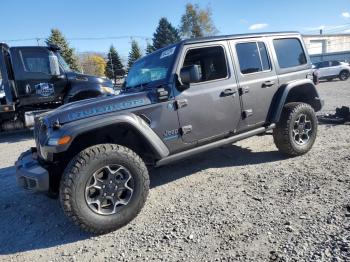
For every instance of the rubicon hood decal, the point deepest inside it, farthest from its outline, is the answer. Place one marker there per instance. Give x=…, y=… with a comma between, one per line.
x=97, y=106
x=97, y=110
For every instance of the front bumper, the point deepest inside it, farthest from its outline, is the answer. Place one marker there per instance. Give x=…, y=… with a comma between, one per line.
x=30, y=174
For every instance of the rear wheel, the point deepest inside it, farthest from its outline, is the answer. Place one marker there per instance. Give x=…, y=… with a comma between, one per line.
x=296, y=132
x=343, y=75
x=104, y=187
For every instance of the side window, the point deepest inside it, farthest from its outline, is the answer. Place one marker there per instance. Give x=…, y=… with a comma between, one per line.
x=289, y=52
x=324, y=64
x=253, y=57
x=211, y=61
x=36, y=62
x=335, y=63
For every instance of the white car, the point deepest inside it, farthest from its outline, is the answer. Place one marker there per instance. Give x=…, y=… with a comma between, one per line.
x=332, y=69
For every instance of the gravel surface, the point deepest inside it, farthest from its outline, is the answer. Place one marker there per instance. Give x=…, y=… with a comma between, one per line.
x=243, y=202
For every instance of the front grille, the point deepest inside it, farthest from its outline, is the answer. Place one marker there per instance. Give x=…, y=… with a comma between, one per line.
x=40, y=132
x=36, y=132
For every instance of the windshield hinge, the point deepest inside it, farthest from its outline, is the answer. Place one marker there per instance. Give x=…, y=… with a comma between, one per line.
x=162, y=94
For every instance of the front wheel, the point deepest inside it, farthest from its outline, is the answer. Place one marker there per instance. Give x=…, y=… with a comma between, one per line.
x=104, y=187
x=296, y=131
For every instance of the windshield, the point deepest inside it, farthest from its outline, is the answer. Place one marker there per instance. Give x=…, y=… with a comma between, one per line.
x=63, y=63
x=151, y=68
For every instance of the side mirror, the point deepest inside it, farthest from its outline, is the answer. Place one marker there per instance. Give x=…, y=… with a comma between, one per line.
x=190, y=74
x=54, y=66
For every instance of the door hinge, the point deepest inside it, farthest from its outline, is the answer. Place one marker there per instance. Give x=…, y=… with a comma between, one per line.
x=181, y=103
x=243, y=90
x=186, y=130
x=247, y=113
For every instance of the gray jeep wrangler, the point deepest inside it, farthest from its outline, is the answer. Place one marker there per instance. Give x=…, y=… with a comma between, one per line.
x=182, y=100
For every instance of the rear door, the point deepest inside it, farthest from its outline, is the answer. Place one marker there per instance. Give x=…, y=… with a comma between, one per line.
x=257, y=79
x=210, y=108
x=34, y=81
x=335, y=68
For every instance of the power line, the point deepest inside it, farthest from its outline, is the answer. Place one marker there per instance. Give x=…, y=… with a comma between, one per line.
x=82, y=38
x=330, y=30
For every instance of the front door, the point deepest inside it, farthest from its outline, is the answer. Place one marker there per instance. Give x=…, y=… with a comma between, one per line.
x=34, y=81
x=324, y=69
x=210, y=108
x=257, y=79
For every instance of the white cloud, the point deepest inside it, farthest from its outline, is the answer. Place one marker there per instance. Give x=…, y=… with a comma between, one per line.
x=345, y=14
x=258, y=26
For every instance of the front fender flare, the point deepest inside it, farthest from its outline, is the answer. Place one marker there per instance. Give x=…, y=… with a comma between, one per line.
x=79, y=127
x=77, y=89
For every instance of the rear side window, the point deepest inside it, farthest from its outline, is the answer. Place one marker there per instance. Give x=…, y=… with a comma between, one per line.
x=253, y=57
x=335, y=63
x=36, y=62
x=211, y=61
x=289, y=52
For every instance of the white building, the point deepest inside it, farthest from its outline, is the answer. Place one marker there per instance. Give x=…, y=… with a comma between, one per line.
x=332, y=43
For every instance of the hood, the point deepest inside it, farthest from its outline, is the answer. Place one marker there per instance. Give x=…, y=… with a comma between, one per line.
x=78, y=77
x=96, y=106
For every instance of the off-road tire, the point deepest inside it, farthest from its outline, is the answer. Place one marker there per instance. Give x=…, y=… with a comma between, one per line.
x=344, y=75
x=283, y=133
x=80, y=170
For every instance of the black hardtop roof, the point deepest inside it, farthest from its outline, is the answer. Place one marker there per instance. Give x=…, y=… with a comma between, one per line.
x=237, y=36
x=224, y=37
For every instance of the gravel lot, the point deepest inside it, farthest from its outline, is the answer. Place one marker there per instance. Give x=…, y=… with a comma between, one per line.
x=244, y=202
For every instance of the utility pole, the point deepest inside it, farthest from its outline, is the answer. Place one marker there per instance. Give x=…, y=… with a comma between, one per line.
x=112, y=64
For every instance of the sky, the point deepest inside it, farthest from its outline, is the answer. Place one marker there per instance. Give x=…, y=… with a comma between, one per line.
x=122, y=20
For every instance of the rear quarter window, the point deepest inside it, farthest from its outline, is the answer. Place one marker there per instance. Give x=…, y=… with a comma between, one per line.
x=290, y=52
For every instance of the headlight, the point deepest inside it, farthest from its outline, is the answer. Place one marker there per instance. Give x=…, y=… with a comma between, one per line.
x=59, y=141
x=107, y=90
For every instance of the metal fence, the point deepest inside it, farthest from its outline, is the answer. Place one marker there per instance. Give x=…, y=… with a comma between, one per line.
x=338, y=56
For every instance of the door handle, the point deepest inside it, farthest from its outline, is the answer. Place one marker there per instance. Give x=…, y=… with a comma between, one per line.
x=228, y=92
x=267, y=84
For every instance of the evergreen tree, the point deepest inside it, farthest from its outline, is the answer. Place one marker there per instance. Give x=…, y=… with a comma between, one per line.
x=165, y=34
x=57, y=38
x=114, y=66
x=197, y=22
x=135, y=53
x=149, y=49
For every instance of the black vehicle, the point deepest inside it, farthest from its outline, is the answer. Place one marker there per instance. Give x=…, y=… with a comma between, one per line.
x=34, y=79
x=179, y=101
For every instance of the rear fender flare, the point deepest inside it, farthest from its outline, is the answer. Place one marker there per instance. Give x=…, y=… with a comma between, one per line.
x=308, y=94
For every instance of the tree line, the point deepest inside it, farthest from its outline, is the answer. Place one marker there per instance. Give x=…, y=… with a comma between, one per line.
x=195, y=22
